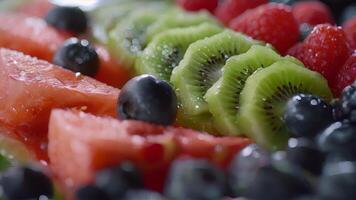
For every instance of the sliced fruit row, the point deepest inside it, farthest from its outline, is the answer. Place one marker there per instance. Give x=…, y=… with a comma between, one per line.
x=210, y=75
x=127, y=26
x=210, y=68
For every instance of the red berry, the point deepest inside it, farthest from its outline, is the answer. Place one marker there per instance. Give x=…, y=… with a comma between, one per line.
x=346, y=76
x=272, y=23
x=195, y=5
x=230, y=9
x=325, y=50
x=350, y=30
x=312, y=12
x=296, y=50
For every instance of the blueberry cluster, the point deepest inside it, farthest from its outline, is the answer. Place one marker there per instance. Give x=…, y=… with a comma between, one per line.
x=24, y=182
x=119, y=182
x=319, y=162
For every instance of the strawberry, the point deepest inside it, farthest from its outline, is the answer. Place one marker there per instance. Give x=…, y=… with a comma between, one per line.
x=346, y=76
x=312, y=12
x=272, y=23
x=230, y=9
x=325, y=50
x=195, y=5
x=350, y=30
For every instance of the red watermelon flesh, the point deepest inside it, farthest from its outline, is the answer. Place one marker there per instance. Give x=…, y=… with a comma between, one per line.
x=89, y=143
x=31, y=88
x=32, y=36
x=38, y=8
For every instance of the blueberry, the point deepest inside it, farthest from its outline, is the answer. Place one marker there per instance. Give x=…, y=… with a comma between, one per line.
x=25, y=182
x=195, y=180
x=143, y=194
x=305, y=154
x=306, y=115
x=148, y=99
x=305, y=29
x=71, y=19
x=339, y=138
x=272, y=184
x=117, y=180
x=287, y=2
x=77, y=56
x=348, y=103
x=245, y=166
x=338, y=181
x=91, y=192
x=348, y=13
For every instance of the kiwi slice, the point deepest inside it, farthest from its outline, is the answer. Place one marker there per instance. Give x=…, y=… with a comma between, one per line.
x=165, y=52
x=128, y=38
x=177, y=18
x=202, y=66
x=223, y=97
x=263, y=100
x=105, y=17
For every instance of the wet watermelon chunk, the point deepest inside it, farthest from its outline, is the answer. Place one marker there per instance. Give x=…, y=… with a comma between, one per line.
x=31, y=88
x=89, y=143
x=31, y=35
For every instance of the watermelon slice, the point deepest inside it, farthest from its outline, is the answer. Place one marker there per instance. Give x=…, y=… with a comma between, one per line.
x=30, y=88
x=38, y=8
x=89, y=143
x=32, y=36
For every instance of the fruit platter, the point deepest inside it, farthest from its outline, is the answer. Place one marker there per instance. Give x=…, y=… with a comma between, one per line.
x=177, y=100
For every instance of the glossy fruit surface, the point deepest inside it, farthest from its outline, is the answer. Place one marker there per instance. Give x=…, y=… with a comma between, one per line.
x=34, y=37
x=31, y=88
x=25, y=183
x=71, y=19
x=78, y=56
x=148, y=99
x=302, y=115
x=346, y=75
x=194, y=179
x=229, y=9
x=325, y=50
x=196, y=5
x=272, y=23
x=305, y=154
x=312, y=12
x=151, y=148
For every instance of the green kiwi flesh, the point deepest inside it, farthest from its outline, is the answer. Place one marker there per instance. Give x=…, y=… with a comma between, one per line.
x=263, y=99
x=223, y=97
x=202, y=66
x=105, y=17
x=167, y=49
x=127, y=39
x=175, y=19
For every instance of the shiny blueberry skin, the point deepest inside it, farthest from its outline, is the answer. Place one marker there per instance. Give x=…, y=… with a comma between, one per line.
x=115, y=181
x=71, y=19
x=307, y=115
x=194, y=180
x=91, y=192
x=338, y=181
x=305, y=29
x=287, y=2
x=244, y=168
x=272, y=184
x=305, y=154
x=148, y=99
x=78, y=56
x=348, y=103
x=339, y=138
x=28, y=182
